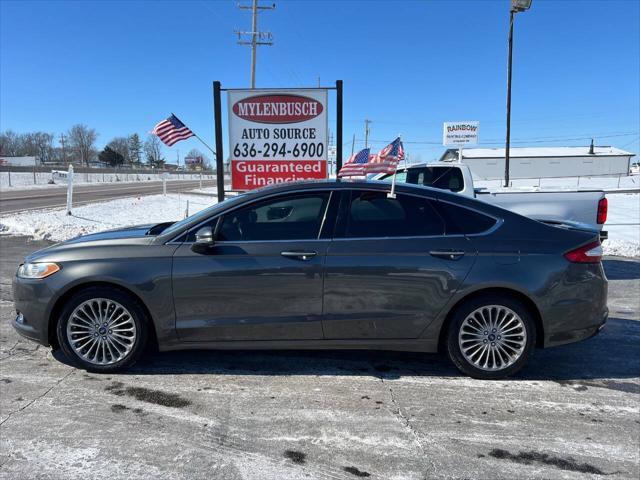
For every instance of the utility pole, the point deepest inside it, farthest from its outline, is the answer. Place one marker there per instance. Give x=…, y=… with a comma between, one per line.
x=516, y=7
x=257, y=37
x=366, y=133
x=63, y=139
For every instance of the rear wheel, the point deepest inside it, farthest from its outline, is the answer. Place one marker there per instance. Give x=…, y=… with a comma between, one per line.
x=491, y=337
x=102, y=329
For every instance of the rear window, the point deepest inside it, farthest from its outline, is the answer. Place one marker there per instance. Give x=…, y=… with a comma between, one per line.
x=444, y=178
x=460, y=220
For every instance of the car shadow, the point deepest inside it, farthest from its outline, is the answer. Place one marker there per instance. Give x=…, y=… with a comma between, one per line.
x=605, y=360
x=621, y=269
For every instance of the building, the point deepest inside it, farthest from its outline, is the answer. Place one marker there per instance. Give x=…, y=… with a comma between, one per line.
x=542, y=162
x=18, y=161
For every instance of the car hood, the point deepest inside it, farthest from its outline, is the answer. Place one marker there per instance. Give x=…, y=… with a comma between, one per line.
x=135, y=231
x=133, y=235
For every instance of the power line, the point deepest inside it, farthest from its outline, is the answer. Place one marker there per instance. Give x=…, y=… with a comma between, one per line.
x=257, y=38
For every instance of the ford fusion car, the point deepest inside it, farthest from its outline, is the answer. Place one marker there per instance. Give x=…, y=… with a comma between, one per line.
x=320, y=265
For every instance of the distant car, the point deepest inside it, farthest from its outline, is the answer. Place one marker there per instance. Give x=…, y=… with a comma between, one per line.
x=634, y=169
x=327, y=265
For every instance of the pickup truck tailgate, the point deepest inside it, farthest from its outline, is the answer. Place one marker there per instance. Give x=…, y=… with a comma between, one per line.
x=576, y=207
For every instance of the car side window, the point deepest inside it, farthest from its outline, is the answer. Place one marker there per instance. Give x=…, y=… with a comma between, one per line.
x=460, y=220
x=374, y=215
x=289, y=217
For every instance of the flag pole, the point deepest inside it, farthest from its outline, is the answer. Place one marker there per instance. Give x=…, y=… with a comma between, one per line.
x=195, y=135
x=392, y=193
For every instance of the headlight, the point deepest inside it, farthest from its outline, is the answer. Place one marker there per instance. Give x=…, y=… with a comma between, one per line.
x=37, y=270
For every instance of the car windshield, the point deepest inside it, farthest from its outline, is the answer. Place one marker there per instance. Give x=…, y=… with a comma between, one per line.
x=202, y=214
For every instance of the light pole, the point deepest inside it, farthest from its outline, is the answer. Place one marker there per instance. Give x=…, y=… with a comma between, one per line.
x=516, y=6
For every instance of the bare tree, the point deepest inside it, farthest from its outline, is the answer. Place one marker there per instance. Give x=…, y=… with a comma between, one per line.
x=153, y=151
x=38, y=144
x=32, y=144
x=82, y=142
x=9, y=143
x=121, y=146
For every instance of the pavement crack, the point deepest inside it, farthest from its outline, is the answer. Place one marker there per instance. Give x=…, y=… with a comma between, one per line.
x=34, y=400
x=396, y=410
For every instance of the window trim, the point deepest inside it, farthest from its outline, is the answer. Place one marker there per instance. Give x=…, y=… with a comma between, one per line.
x=493, y=228
x=219, y=216
x=346, y=202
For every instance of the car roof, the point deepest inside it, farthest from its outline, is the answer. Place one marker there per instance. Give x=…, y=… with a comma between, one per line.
x=341, y=185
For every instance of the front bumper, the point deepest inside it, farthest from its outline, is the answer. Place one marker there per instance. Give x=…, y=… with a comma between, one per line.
x=32, y=299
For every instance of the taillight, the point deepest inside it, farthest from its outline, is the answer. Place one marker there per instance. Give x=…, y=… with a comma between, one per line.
x=589, y=253
x=603, y=208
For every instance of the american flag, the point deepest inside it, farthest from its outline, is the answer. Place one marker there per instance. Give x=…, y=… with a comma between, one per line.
x=355, y=166
x=171, y=131
x=386, y=161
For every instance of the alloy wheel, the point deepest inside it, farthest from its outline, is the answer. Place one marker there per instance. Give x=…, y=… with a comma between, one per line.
x=101, y=331
x=492, y=337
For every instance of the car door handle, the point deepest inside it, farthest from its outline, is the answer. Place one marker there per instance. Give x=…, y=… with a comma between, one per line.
x=447, y=254
x=299, y=255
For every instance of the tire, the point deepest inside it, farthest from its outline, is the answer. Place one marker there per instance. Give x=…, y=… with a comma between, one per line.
x=114, y=342
x=491, y=337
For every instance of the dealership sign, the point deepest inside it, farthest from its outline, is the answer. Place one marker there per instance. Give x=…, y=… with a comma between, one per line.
x=460, y=133
x=277, y=136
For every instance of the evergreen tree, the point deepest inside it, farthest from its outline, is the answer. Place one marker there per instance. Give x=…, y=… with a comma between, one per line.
x=135, y=149
x=111, y=157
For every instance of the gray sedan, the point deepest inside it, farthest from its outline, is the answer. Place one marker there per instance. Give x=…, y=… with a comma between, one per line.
x=320, y=265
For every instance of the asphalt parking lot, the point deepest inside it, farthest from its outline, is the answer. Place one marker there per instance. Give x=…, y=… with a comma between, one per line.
x=572, y=413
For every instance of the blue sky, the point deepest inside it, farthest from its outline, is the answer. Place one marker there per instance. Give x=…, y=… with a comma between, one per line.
x=120, y=67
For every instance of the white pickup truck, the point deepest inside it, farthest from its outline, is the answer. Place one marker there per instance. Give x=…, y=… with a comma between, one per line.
x=583, y=209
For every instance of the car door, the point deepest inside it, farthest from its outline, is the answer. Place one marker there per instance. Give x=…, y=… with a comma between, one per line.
x=390, y=269
x=262, y=279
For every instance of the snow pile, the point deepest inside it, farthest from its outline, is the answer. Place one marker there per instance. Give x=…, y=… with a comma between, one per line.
x=56, y=225
x=623, y=225
x=25, y=180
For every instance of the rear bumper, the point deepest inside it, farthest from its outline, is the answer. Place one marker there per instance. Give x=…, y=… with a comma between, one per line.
x=578, y=309
x=577, y=335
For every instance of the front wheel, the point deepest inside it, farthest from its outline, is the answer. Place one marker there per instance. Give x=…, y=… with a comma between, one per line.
x=491, y=337
x=102, y=329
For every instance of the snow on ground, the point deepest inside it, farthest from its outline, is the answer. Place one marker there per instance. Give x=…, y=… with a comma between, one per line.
x=55, y=225
x=623, y=222
x=623, y=225
x=25, y=180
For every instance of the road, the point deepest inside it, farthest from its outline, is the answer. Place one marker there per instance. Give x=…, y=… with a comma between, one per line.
x=16, y=201
x=571, y=414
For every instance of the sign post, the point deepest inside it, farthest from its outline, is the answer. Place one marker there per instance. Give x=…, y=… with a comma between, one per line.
x=217, y=118
x=460, y=134
x=277, y=135
x=69, y=189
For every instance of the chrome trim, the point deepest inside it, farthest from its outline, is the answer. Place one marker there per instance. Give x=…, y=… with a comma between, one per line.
x=498, y=224
x=324, y=217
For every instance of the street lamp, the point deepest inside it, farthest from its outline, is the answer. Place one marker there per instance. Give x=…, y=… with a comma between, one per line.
x=516, y=6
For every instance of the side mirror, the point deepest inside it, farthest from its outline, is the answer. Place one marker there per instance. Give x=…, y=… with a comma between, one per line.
x=204, y=239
